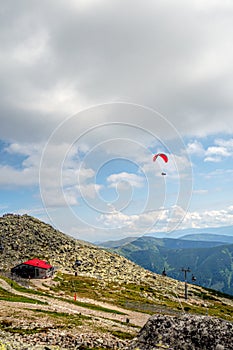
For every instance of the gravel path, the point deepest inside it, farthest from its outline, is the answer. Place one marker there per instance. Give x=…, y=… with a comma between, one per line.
x=86, y=335
x=136, y=318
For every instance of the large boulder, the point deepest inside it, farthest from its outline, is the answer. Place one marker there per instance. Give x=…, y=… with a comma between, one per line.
x=184, y=332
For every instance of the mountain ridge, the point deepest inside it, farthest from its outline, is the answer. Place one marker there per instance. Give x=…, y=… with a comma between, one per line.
x=212, y=265
x=100, y=307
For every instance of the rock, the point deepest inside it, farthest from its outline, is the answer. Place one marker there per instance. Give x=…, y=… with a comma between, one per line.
x=191, y=332
x=25, y=237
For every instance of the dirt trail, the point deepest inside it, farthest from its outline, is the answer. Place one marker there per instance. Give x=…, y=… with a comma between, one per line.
x=136, y=318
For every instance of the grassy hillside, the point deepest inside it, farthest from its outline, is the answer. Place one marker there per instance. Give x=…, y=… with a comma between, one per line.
x=213, y=266
x=114, y=296
x=208, y=237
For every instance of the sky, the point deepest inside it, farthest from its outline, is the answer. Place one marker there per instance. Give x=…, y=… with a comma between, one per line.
x=91, y=90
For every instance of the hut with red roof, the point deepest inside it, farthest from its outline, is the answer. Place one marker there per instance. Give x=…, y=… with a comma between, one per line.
x=34, y=268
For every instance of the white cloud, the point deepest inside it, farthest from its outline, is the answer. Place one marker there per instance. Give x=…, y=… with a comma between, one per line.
x=228, y=144
x=166, y=219
x=209, y=218
x=195, y=148
x=59, y=58
x=11, y=177
x=160, y=220
x=218, y=151
x=25, y=172
x=223, y=149
x=116, y=180
x=89, y=190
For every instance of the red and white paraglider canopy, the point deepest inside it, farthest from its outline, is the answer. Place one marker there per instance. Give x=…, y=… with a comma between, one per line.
x=162, y=155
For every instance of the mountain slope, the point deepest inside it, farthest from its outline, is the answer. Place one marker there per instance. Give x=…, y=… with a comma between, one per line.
x=221, y=230
x=24, y=237
x=170, y=243
x=208, y=237
x=99, y=308
x=213, y=266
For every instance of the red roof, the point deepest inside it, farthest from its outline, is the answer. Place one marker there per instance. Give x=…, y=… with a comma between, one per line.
x=38, y=263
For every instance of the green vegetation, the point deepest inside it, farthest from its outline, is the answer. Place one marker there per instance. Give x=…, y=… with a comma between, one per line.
x=66, y=319
x=7, y=325
x=92, y=306
x=20, y=288
x=123, y=335
x=128, y=295
x=8, y=296
x=212, y=265
x=142, y=298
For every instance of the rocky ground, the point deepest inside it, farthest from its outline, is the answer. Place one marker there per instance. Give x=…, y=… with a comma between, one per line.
x=61, y=325
x=184, y=332
x=51, y=321
x=24, y=237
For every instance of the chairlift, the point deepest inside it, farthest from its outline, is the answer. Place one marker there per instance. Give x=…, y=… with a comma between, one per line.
x=164, y=272
x=193, y=278
x=78, y=263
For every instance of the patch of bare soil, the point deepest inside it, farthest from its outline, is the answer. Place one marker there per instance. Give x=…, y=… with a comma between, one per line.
x=58, y=321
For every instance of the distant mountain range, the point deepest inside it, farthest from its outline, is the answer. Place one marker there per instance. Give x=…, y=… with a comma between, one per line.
x=208, y=237
x=209, y=256
x=222, y=230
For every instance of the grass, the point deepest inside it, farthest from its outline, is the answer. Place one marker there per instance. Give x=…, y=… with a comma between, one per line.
x=93, y=306
x=123, y=335
x=20, y=288
x=117, y=294
x=143, y=298
x=8, y=296
x=6, y=325
x=67, y=319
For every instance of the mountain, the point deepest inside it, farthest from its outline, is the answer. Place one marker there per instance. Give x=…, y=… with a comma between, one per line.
x=117, y=243
x=170, y=243
x=211, y=262
x=23, y=237
x=222, y=230
x=209, y=237
x=104, y=304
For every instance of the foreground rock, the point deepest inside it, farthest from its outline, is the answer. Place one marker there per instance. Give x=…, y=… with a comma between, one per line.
x=59, y=341
x=185, y=332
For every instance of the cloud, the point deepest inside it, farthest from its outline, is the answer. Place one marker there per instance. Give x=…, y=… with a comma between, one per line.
x=82, y=59
x=58, y=58
x=166, y=219
x=218, y=151
x=10, y=177
x=228, y=144
x=209, y=218
x=222, y=150
x=120, y=179
x=23, y=171
x=195, y=148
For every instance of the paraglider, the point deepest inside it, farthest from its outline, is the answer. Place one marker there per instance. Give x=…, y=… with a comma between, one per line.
x=164, y=157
